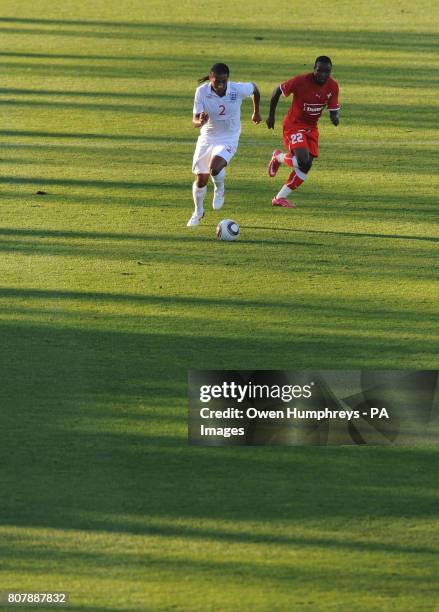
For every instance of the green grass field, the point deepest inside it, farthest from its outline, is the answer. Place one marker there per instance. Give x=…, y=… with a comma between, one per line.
x=107, y=299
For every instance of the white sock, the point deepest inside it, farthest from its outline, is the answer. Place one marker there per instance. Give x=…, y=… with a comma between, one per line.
x=218, y=180
x=301, y=174
x=284, y=192
x=198, y=194
x=281, y=159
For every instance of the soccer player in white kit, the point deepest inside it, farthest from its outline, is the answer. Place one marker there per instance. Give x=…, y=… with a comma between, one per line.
x=217, y=111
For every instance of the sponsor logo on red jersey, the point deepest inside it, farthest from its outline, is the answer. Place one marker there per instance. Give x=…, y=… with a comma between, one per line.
x=313, y=109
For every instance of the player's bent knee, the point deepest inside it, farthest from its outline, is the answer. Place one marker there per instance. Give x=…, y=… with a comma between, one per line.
x=305, y=166
x=216, y=165
x=214, y=170
x=202, y=180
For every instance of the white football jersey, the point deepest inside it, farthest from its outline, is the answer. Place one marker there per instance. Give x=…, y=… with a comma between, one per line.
x=224, y=112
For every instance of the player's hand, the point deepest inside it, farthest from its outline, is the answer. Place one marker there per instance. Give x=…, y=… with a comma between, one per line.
x=256, y=117
x=204, y=118
x=335, y=118
x=270, y=122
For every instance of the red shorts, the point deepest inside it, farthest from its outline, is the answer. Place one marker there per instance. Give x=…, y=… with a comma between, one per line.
x=297, y=136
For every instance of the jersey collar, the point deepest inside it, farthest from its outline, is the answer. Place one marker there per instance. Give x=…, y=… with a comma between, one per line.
x=225, y=93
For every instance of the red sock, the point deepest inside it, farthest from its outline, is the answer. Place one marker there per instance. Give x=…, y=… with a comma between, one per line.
x=294, y=181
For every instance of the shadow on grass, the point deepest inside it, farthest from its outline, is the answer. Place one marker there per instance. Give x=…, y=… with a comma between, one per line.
x=78, y=106
x=77, y=135
x=141, y=254
x=74, y=56
x=104, y=184
x=112, y=565
x=348, y=234
x=381, y=40
x=79, y=69
x=349, y=312
x=189, y=68
x=97, y=106
x=93, y=94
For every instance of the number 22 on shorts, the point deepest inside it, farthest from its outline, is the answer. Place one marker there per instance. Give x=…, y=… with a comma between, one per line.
x=295, y=138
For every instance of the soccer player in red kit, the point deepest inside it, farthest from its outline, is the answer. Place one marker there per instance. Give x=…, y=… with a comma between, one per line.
x=312, y=93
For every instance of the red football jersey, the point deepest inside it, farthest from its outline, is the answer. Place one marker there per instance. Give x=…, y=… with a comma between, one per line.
x=310, y=99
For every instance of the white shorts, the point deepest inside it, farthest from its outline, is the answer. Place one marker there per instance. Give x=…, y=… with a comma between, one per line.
x=204, y=153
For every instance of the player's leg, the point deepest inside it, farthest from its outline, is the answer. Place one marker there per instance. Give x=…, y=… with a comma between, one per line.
x=304, y=159
x=295, y=179
x=218, y=174
x=200, y=167
x=221, y=156
x=304, y=156
x=303, y=146
x=217, y=164
x=300, y=172
x=201, y=180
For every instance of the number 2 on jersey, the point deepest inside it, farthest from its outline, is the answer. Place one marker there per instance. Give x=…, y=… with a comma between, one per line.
x=222, y=110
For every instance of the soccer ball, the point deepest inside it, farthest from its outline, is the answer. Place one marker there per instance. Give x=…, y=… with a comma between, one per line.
x=227, y=229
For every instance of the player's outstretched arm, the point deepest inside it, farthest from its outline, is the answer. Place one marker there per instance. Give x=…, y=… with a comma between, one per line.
x=277, y=92
x=256, y=98
x=335, y=117
x=200, y=119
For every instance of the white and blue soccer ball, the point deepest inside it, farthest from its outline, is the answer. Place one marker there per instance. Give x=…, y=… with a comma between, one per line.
x=228, y=230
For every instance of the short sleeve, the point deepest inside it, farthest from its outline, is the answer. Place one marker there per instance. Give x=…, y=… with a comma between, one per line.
x=198, y=102
x=290, y=87
x=245, y=90
x=333, y=104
